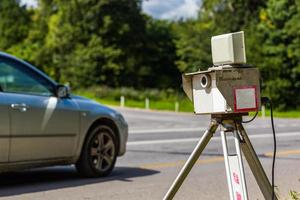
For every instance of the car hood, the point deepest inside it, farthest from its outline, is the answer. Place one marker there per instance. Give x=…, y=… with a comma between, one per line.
x=86, y=104
x=76, y=97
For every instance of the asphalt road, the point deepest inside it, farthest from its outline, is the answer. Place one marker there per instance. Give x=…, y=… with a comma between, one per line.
x=159, y=143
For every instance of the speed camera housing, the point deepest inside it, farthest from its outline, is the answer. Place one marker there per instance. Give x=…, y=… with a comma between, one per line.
x=225, y=88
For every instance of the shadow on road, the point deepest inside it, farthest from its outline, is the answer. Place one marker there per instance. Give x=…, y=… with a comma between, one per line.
x=44, y=179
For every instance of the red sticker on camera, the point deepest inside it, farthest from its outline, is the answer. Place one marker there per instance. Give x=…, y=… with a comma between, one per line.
x=245, y=99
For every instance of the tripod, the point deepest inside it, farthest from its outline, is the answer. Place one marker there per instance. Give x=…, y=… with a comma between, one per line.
x=233, y=162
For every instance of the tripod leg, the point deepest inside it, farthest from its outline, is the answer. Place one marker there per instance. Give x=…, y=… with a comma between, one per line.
x=228, y=175
x=191, y=160
x=255, y=165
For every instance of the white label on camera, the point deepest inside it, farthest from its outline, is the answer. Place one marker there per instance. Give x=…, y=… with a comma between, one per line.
x=245, y=99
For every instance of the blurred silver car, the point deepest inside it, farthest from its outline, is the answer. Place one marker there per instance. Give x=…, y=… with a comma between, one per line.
x=41, y=124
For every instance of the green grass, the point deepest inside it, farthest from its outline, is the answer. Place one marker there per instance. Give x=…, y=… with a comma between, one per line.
x=185, y=105
x=285, y=114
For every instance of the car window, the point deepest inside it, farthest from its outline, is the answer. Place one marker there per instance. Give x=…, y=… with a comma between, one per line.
x=17, y=78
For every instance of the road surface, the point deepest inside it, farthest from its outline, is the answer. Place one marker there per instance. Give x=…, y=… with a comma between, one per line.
x=159, y=143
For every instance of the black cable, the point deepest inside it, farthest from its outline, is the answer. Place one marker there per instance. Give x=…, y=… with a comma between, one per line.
x=251, y=119
x=274, y=152
x=267, y=100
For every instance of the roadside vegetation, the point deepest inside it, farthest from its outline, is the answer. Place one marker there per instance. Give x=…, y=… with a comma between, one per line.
x=113, y=44
x=158, y=99
x=292, y=195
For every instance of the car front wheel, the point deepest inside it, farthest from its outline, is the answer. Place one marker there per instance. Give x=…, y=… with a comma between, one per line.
x=99, y=153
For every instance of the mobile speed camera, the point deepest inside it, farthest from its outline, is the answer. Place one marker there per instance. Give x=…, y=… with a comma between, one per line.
x=230, y=86
x=228, y=91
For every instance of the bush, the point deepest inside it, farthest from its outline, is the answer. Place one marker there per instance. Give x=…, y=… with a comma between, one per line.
x=133, y=94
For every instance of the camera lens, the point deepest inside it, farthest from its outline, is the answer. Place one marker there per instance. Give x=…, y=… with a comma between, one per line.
x=205, y=81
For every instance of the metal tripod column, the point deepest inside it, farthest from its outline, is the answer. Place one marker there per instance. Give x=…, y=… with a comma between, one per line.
x=254, y=164
x=237, y=141
x=233, y=163
x=225, y=153
x=191, y=160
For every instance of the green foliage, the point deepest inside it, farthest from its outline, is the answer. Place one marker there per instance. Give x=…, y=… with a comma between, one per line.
x=294, y=195
x=193, y=45
x=157, y=68
x=106, y=42
x=13, y=23
x=33, y=48
x=159, y=99
x=280, y=36
x=133, y=94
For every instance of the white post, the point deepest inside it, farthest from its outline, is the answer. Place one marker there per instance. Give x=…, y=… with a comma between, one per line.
x=122, y=101
x=147, y=104
x=263, y=111
x=176, y=106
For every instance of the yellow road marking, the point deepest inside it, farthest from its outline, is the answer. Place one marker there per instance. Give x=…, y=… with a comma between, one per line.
x=180, y=163
x=211, y=160
x=284, y=153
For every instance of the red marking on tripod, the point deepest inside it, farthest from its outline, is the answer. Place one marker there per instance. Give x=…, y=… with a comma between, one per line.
x=238, y=196
x=236, y=178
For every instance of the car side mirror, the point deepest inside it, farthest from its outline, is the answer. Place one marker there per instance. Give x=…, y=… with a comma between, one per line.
x=62, y=91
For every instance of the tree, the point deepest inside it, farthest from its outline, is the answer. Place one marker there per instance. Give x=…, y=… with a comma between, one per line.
x=13, y=24
x=100, y=38
x=157, y=56
x=193, y=45
x=109, y=42
x=32, y=48
x=231, y=15
x=280, y=66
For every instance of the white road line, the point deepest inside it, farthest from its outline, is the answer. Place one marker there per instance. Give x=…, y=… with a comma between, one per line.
x=153, y=118
x=253, y=126
x=166, y=130
x=287, y=125
x=184, y=140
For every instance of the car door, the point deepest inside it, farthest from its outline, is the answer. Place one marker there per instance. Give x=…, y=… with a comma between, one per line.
x=42, y=126
x=4, y=127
